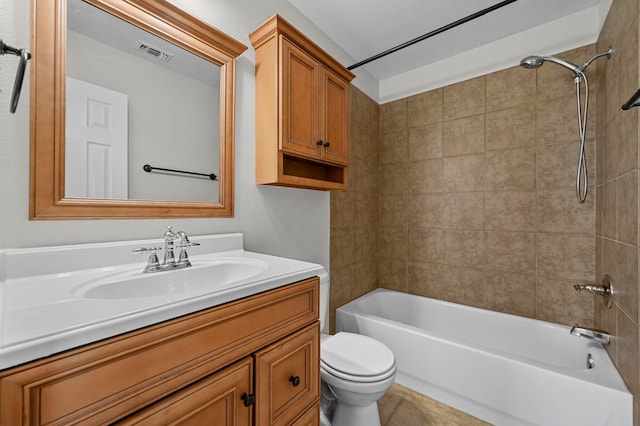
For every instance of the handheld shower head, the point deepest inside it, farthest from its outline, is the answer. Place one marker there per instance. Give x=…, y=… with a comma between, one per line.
x=537, y=61
x=531, y=62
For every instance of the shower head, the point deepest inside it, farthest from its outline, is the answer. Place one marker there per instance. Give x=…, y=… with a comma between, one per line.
x=531, y=62
x=537, y=61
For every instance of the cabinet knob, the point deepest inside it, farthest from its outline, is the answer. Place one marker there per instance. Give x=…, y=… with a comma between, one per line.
x=295, y=380
x=319, y=143
x=248, y=399
x=327, y=144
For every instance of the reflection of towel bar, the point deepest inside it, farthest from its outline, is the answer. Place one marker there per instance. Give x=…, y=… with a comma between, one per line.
x=148, y=168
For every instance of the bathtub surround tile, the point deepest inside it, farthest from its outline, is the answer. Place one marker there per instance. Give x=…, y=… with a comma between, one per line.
x=392, y=179
x=393, y=210
x=392, y=241
x=509, y=88
x=557, y=301
x=342, y=247
x=394, y=146
x=464, y=210
x=426, y=108
x=425, y=245
x=511, y=128
x=365, y=244
x=628, y=143
x=511, y=211
x=393, y=116
x=341, y=286
x=611, y=150
x=626, y=282
x=464, y=285
x=511, y=293
x=366, y=213
x=558, y=120
x=464, y=248
x=392, y=273
x=464, y=99
x=559, y=211
x=341, y=209
x=425, y=176
x=628, y=208
x=567, y=256
x=627, y=351
x=426, y=211
x=511, y=252
x=365, y=277
x=425, y=279
x=610, y=209
x=557, y=165
x=425, y=142
x=511, y=169
x=464, y=136
x=464, y=173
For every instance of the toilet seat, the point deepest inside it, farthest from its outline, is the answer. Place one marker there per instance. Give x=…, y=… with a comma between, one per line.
x=357, y=358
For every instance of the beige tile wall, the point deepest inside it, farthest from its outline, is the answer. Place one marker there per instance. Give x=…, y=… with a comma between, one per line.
x=354, y=213
x=617, y=190
x=476, y=194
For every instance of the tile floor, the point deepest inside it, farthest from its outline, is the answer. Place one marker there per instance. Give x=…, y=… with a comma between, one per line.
x=401, y=406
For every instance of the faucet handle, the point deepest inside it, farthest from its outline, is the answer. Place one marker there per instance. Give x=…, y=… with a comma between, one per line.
x=153, y=264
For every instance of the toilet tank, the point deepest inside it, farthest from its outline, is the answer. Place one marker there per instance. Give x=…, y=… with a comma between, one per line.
x=324, y=302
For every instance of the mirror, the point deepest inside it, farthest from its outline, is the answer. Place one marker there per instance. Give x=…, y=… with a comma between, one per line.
x=106, y=105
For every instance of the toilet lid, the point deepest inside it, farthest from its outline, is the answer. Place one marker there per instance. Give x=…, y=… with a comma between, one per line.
x=356, y=355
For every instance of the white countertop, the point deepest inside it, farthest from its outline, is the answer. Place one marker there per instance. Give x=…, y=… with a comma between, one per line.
x=43, y=310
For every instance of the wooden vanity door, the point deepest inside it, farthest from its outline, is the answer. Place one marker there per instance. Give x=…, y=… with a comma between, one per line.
x=215, y=400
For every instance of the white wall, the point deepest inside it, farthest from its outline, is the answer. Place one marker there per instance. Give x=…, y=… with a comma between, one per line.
x=281, y=221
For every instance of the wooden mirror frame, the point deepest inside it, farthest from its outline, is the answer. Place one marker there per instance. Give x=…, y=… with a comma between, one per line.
x=48, y=72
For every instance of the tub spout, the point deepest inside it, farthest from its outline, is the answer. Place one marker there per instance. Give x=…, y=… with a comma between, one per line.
x=598, y=336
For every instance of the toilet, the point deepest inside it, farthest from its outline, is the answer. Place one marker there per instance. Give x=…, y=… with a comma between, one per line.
x=355, y=371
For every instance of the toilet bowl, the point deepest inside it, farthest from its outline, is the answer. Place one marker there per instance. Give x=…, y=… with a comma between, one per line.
x=355, y=371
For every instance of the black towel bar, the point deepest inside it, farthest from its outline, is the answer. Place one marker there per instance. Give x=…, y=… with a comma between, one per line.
x=149, y=169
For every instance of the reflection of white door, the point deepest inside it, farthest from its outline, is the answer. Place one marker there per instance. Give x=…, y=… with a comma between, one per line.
x=96, y=141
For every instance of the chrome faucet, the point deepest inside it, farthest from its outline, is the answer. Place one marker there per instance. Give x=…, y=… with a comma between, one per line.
x=597, y=336
x=169, y=261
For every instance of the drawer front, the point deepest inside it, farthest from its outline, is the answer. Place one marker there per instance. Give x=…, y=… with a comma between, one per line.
x=310, y=418
x=108, y=380
x=288, y=377
x=215, y=400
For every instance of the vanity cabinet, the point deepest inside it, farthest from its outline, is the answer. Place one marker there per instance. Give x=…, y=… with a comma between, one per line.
x=228, y=365
x=302, y=110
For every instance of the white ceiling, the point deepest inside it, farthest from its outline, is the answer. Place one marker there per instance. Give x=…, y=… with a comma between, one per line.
x=364, y=28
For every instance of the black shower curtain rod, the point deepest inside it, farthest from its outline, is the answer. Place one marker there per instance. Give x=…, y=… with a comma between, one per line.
x=434, y=32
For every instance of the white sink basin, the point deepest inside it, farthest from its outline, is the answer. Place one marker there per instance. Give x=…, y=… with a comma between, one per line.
x=203, y=276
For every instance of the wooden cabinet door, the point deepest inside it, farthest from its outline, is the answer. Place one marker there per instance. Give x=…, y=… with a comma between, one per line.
x=299, y=123
x=288, y=377
x=335, y=118
x=217, y=400
x=310, y=418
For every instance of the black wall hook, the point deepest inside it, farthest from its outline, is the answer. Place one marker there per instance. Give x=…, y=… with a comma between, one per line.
x=24, y=55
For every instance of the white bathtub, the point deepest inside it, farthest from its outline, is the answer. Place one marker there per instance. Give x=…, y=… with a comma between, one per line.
x=503, y=369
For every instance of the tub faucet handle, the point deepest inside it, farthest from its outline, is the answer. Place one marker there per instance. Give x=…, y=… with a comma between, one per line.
x=605, y=289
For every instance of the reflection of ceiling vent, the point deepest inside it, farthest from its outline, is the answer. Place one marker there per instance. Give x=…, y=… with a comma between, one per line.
x=158, y=53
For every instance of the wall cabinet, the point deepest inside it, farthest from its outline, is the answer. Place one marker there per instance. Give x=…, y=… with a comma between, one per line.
x=302, y=110
x=255, y=361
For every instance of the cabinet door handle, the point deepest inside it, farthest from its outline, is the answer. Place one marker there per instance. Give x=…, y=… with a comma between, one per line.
x=319, y=143
x=327, y=144
x=248, y=399
x=295, y=380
